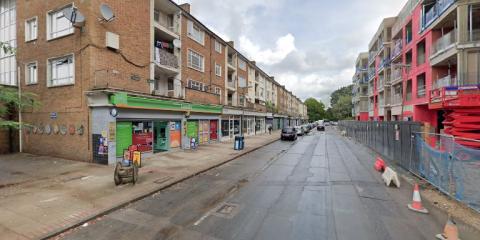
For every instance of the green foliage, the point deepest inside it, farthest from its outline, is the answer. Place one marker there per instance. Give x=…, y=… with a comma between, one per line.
x=341, y=104
x=270, y=107
x=315, y=109
x=6, y=48
x=10, y=102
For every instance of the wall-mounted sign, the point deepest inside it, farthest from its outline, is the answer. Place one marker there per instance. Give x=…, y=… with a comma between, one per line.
x=113, y=112
x=112, y=127
x=53, y=115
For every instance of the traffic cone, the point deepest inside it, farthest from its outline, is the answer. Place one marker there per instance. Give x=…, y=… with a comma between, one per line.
x=450, y=232
x=416, y=204
x=379, y=164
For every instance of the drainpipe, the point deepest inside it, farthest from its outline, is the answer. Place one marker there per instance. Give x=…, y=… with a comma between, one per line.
x=20, y=146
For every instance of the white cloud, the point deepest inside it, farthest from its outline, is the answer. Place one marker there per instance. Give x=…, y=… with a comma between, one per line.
x=283, y=46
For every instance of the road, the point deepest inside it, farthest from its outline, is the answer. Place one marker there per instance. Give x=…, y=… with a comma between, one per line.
x=319, y=187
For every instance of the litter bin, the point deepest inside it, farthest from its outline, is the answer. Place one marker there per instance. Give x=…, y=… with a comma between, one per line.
x=242, y=142
x=236, y=143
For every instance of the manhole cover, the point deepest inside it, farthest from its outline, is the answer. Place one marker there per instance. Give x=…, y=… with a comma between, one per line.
x=227, y=210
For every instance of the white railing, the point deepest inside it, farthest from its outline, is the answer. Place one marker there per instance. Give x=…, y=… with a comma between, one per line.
x=444, y=82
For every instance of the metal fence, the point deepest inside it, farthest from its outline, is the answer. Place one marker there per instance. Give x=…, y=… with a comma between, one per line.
x=390, y=139
x=443, y=160
x=450, y=166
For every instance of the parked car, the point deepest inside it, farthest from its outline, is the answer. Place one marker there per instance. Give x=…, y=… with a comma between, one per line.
x=320, y=125
x=288, y=133
x=307, y=128
x=300, y=130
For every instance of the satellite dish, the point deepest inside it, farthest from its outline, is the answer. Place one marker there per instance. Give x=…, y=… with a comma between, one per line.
x=74, y=16
x=177, y=43
x=107, y=13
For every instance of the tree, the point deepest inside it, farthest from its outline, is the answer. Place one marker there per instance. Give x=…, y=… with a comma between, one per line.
x=10, y=103
x=315, y=109
x=341, y=103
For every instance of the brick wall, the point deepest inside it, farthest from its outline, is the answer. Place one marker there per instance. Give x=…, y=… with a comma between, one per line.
x=202, y=97
x=91, y=57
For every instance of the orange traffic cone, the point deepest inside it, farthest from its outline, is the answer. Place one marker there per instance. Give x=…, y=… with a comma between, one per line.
x=450, y=232
x=416, y=204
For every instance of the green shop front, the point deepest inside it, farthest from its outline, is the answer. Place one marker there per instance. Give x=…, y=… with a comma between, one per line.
x=152, y=124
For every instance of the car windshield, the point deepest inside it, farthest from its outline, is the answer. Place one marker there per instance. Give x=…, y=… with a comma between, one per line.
x=287, y=130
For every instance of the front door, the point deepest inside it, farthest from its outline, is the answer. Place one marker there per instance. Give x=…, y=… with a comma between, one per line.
x=213, y=130
x=161, y=136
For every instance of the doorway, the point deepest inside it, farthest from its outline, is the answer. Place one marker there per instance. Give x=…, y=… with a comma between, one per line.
x=213, y=130
x=161, y=135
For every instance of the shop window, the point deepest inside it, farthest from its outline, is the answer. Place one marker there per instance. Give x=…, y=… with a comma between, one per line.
x=142, y=135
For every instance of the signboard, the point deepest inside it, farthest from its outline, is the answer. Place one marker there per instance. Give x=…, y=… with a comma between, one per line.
x=53, y=115
x=112, y=127
x=137, y=158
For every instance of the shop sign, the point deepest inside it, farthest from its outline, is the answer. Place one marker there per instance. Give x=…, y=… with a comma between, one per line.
x=227, y=111
x=112, y=127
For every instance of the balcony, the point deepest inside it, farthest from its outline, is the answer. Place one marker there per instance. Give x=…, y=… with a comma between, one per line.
x=232, y=63
x=370, y=90
x=474, y=35
x=166, y=23
x=232, y=83
x=384, y=63
x=169, y=88
x=444, y=43
x=397, y=49
x=397, y=99
x=371, y=57
x=445, y=82
x=371, y=74
x=436, y=11
x=166, y=60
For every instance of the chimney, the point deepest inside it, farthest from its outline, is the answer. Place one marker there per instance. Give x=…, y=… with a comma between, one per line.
x=231, y=43
x=186, y=7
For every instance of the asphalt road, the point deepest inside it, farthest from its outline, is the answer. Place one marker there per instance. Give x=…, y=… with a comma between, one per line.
x=319, y=187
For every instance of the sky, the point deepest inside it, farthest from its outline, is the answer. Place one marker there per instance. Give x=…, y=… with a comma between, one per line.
x=310, y=46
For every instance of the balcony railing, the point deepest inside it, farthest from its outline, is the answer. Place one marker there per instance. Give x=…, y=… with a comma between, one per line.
x=421, y=90
x=396, y=74
x=437, y=10
x=371, y=57
x=231, y=61
x=397, y=49
x=231, y=83
x=396, y=99
x=162, y=57
x=370, y=90
x=474, y=35
x=445, y=82
x=384, y=63
x=444, y=42
x=371, y=74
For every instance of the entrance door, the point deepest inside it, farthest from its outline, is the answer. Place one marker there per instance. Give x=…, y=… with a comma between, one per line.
x=192, y=130
x=124, y=137
x=213, y=130
x=161, y=134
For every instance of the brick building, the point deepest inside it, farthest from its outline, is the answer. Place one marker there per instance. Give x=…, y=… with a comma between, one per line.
x=153, y=76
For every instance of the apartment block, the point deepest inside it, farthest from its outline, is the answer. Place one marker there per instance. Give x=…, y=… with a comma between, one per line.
x=153, y=76
x=434, y=61
x=360, y=99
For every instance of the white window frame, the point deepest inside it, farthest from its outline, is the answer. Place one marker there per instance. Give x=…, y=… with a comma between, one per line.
x=242, y=64
x=67, y=31
x=200, y=68
x=195, y=85
x=27, y=73
x=218, y=70
x=218, y=46
x=195, y=33
x=218, y=90
x=27, y=29
x=49, y=71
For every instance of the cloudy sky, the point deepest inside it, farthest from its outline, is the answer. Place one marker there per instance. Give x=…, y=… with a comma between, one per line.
x=310, y=46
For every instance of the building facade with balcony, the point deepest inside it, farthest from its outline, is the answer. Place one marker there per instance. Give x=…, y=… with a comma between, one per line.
x=360, y=88
x=102, y=88
x=435, y=55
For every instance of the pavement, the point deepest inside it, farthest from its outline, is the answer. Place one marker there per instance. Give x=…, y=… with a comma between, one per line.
x=322, y=186
x=42, y=196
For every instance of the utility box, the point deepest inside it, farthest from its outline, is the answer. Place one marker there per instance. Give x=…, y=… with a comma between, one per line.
x=112, y=40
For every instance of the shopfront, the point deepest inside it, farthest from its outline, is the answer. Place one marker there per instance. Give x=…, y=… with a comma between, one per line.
x=259, y=125
x=231, y=123
x=269, y=121
x=153, y=125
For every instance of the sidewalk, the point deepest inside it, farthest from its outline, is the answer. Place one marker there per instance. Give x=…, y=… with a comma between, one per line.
x=41, y=196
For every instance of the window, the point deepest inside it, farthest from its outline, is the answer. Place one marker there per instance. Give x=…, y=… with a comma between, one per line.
x=218, y=70
x=242, y=65
x=8, y=62
x=218, y=46
x=57, y=24
x=31, y=29
x=195, y=33
x=61, y=71
x=242, y=82
x=195, y=85
x=218, y=91
x=31, y=73
x=195, y=60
